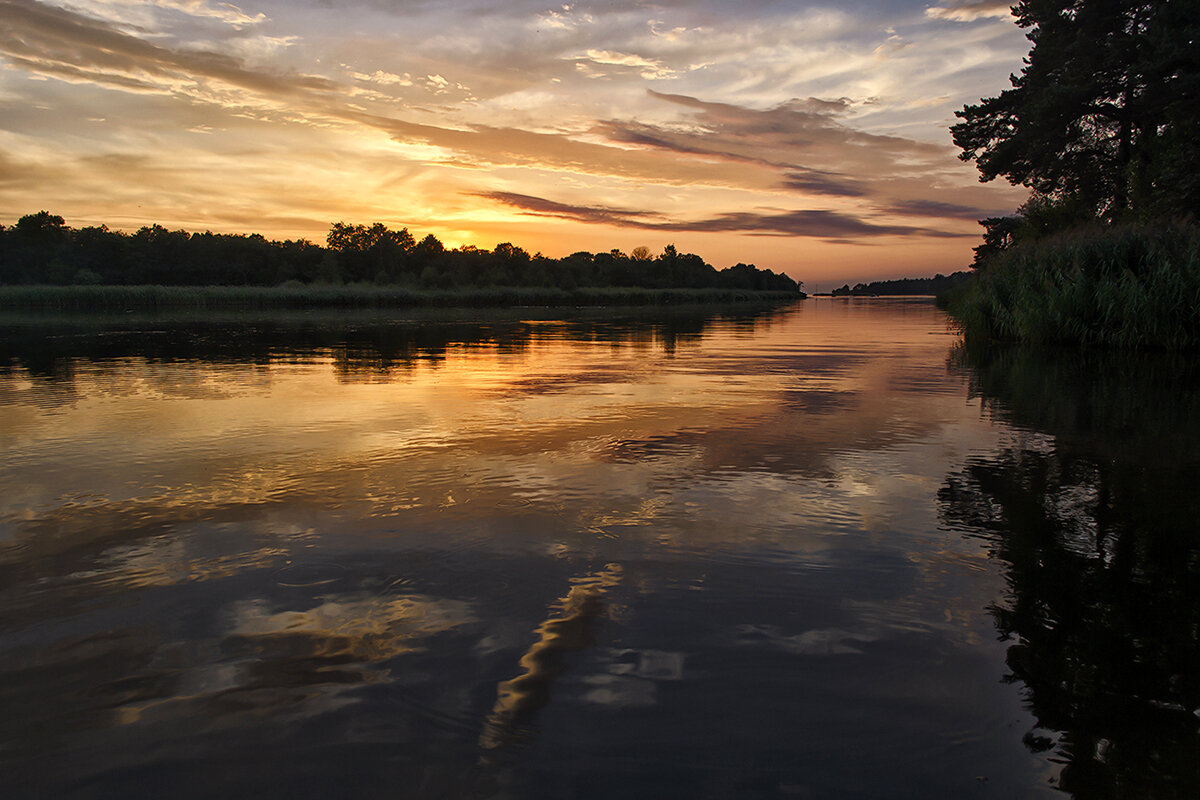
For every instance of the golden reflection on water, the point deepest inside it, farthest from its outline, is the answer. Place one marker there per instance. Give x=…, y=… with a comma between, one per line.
x=270, y=538
x=157, y=445
x=805, y=416
x=570, y=628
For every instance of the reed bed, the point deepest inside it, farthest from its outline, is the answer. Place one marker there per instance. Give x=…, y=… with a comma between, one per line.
x=1125, y=287
x=162, y=298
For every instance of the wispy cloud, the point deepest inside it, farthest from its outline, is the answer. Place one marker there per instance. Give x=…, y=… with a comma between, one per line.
x=590, y=214
x=142, y=13
x=649, y=68
x=55, y=42
x=811, y=181
x=814, y=223
x=801, y=138
x=970, y=10
x=937, y=209
x=509, y=120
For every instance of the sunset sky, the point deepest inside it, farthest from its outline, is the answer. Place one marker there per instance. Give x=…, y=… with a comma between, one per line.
x=809, y=137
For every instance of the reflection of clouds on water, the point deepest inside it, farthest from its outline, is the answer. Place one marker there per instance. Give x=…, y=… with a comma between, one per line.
x=368, y=628
x=168, y=562
x=620, y=690
x=626, y=438
x=659, y=665
x=766, y=496
x=307, y=660
x=569, y=628
x=823, y=642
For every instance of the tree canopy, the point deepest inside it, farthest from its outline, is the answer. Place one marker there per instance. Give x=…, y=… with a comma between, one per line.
x=1102, y=122
x=41, y=249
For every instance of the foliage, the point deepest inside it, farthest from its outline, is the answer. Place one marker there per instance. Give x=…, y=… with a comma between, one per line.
x=1090, y=509
x=360, y=295
x=1100, y=125
x=1102, y=119
x=903, y=286
x=1125, y=286
x=41, y=249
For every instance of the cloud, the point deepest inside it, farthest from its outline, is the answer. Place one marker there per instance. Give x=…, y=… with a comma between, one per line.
x=818, y=223
x=485, y=146
x=224, y=12
x=144, y=13
x=650, y=69
x=59, y=43
x=391, y=127
x=971, y=10
x=383, y=78
x=591, y=214
x=805, y=146
x=814, y=223
x=802, y=139
x=937, y=208
x=815, y=182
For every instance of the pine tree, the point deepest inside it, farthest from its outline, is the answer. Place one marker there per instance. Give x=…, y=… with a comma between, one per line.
x=1103, y=118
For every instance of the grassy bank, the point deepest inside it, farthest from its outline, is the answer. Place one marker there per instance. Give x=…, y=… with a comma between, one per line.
x=355, y=296
x=1129, y=286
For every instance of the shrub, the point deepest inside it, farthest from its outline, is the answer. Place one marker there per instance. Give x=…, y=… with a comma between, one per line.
x=1124, y=286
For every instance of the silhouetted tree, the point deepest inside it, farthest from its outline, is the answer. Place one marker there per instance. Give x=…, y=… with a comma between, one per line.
x=1102, y=119
x=40, y=248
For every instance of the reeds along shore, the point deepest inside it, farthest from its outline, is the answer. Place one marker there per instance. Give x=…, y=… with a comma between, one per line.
x=1127, y=286
x=163, y=298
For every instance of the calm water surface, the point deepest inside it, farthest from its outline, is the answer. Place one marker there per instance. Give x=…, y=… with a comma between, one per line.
x=818, y=551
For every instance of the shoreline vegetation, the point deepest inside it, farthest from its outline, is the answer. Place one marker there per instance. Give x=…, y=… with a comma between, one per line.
x=47, y=265
x=1125, y=286
x=108, y=299
x=1100, y=126
x=903, y=287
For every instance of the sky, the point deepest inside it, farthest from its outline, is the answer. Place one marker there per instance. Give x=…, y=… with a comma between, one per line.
x=805, y=137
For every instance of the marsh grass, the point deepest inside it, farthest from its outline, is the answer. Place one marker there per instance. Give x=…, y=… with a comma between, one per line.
x=353, y=296
x=1132, y=286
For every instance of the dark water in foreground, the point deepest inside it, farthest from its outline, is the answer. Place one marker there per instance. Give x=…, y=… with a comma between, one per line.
x=811, y=552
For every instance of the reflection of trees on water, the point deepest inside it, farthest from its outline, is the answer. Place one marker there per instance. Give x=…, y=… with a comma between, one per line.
x=361, y=348
x=1092, y=506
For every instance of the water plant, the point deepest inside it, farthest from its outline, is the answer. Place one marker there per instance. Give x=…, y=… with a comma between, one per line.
x=1133, y=285
x=91, y=298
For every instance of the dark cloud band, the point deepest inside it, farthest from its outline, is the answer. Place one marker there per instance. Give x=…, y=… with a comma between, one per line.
x=813, y=223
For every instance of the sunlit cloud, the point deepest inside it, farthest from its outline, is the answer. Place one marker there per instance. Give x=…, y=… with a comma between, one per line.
x=63, y=44
x=822, y=224
x=121, y=10
x=970, y=10
x=650, y=69
x=815, y=122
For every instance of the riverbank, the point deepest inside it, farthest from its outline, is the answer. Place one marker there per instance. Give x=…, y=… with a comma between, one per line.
x=1127, y=287
x=353, y=296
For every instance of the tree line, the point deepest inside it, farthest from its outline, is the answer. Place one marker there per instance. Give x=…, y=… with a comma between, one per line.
x=41, y=249
x=902, y=286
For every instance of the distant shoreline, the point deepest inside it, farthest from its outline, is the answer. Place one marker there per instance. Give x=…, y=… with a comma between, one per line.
x=109, y=298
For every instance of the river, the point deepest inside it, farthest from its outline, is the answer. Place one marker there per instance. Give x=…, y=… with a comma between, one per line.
x=820, y=550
